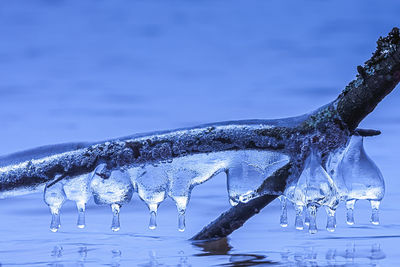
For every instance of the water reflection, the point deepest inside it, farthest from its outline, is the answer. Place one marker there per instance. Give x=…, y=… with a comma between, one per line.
x=351, y=255
x=222, y=253
x=222, y=247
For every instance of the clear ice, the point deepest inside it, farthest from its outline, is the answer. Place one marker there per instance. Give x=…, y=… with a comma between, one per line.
x=114, y=189
x=315, y=188
x=77, y=189
x=54, y=197
x=362, y=178
x=248, y=170
x=151, y=182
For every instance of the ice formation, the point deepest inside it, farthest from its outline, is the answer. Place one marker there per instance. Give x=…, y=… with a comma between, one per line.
x=54, y=197
x=349, y=175
x=112, y=188
x=315, y=188
x=362, y=177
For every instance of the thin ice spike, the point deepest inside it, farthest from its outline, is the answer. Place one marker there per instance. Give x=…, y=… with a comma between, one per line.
x=81, y=215
x=375, y=211
x=299, y=217
x=115, y=226
x=331, y=222
x=312, y=228
x=350, y=211
x=283, y=219
x=55, y=220
x=181, y=221
x=153, y=216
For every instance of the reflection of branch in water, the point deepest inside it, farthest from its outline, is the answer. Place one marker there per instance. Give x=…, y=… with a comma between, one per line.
x=222, y=247
x=306, y=256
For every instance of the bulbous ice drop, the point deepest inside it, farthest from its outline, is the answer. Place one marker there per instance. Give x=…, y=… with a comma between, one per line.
x=114, y=190
x=181, y=181
x=248, y=170
x=315, y=188
x=54, y=197
x=77, y=189
x=152, y=184
x=361, y=176
x=350, y=211
x=283, y=219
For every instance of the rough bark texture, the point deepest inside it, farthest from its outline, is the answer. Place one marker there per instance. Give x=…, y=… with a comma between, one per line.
x=376, y=79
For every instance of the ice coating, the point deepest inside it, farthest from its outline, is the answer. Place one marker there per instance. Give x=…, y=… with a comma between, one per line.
x=362, y=178
x=112, y=188
x=248, y=170
x=315, y=188
x=77, y=189
x=152, y=183
x=54, y=197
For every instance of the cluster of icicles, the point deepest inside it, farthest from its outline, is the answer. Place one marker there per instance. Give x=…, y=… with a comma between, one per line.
x=352, y=176
x=246, y=170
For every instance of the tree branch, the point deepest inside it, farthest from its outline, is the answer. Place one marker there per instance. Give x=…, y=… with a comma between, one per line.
x=376, y=79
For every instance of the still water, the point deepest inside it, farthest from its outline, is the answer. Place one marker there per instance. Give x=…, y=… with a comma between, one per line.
x=85, y=71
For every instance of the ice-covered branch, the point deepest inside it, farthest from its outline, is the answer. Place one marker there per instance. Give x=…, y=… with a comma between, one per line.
x=376, y=79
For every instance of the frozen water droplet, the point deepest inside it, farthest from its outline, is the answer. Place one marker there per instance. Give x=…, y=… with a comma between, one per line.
x=375, y=212
x=54, y=197
x=283, y=218
x=331, y=222
x=249, y=169
x=81, y=214
x=77, y=189
x=350, y=211
x=306, y=217
x=361, y=175
x=114, y=190
x=299, y=217
x=153, y=216
x=152, y=183
x=115, y=225
x=312, y=228
x=181, y=222
x=315, y=188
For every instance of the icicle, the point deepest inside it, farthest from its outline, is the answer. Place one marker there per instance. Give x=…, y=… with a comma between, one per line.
x=54, y=197
x=350, y=211
x=81, y=214
x=248, y=170
x=115, y=225
x=315, y=188
x=153, y=216
x=362, y=178
x=283, y=219
x=152, y=183
x=331, y=222
x=299, y=217
x=77, y=189
x=111, y=188
x=181, y=182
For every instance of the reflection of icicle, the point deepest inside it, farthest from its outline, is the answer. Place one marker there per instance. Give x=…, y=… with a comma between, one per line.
x=112, y=188
x=315, y=188
x=248, y=170
x=54, y=196
x=77, y=189
x=362, y=177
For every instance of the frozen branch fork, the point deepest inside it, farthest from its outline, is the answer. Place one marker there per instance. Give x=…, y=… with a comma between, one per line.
x=260, y=157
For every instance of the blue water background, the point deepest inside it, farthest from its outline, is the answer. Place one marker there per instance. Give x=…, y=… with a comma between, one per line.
x=92, y=70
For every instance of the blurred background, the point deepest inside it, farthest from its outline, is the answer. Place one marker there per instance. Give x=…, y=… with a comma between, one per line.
x=92, y=70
